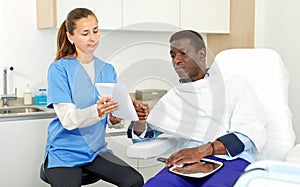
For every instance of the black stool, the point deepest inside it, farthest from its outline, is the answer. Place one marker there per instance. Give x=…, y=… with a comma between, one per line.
x=86, y=177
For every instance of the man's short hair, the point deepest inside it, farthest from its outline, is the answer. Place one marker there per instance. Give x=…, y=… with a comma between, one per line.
x=195, y=37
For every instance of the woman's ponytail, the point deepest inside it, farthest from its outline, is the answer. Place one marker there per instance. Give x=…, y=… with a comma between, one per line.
x=64, y=46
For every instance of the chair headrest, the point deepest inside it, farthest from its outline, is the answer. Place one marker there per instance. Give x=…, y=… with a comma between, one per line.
x=265, y=71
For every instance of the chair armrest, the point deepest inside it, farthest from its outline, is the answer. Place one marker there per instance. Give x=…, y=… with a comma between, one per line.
x=152, y=148
x=272, y=172
x=294, y=154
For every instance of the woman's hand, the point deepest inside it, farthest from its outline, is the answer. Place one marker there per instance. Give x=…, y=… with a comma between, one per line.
x=142, y=110
x=106, y=105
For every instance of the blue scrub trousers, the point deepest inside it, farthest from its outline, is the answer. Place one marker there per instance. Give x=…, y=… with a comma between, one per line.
x=224, y=177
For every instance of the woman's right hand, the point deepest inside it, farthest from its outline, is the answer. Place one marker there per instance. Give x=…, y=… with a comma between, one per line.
x=106, y=105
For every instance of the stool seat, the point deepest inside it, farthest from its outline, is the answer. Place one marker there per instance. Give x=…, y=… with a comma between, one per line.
x=86, y=177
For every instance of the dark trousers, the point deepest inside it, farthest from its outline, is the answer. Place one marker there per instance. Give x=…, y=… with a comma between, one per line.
x=106, y=166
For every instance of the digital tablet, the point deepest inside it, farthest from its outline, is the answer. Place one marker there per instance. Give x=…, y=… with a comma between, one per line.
x=209, y=167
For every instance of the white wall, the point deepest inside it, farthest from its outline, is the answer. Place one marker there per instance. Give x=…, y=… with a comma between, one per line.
x=22, y=46
x=277, y=27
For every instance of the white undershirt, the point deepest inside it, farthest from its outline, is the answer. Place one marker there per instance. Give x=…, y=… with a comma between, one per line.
x=90, y=70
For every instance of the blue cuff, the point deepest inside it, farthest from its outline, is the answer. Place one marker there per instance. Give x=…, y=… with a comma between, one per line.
x=232, y=143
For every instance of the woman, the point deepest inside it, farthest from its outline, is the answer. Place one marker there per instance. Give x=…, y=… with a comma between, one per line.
x=76, y=138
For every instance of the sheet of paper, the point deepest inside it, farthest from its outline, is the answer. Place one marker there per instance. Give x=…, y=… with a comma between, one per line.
x=119, y=93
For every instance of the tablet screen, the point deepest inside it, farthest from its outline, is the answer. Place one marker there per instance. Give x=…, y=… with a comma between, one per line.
x=207, y=167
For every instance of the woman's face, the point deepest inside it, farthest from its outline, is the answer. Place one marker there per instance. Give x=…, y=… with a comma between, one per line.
x=86, y=35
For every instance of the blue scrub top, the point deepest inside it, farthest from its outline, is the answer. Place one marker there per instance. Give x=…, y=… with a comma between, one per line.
x=68, y=82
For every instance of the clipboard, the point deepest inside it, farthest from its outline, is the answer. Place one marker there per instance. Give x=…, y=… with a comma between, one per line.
x=119, y=93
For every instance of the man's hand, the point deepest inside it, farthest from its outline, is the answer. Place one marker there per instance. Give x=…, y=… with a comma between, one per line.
x=142, y=112
x=196, y=167
x=114, y=120
x=189, y=155
x=141, y=109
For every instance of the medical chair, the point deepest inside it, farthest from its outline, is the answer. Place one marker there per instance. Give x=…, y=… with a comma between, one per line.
x=265, y=71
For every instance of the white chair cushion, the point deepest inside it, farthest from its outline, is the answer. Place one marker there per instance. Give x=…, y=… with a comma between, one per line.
x=294, y=154
x=265, y=71
x=152, y=148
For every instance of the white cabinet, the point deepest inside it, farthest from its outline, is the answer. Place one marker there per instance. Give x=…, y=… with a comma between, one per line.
x=206, y=16
x=109, y=13
x=51, y=13
x=154, y=15
x=22, y=148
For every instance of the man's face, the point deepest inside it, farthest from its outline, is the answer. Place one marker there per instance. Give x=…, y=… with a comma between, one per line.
x=189, y=64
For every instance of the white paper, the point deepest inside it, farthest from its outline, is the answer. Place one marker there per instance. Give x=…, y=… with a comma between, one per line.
x=119, y=93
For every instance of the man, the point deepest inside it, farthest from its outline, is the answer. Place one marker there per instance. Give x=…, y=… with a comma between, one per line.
x=216, y=116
